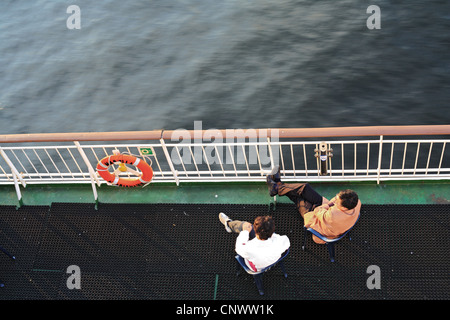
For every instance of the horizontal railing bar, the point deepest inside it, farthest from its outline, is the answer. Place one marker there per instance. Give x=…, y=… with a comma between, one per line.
x=414, y=141
x=212, y=144
x=245, y=171
x=81, y=136
x=321, y=132
x=83, y=146
x=231, y=173
x=257, y=177
x=287, y=143
x=265, y=143
x=231, y=133
x=310, y=179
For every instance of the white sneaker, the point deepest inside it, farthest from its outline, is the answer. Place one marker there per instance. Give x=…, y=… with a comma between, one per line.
x=224, y=219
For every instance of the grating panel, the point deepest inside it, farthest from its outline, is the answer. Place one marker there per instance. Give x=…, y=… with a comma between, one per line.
x=419, y=240
x=21, y=232
x=178, y=251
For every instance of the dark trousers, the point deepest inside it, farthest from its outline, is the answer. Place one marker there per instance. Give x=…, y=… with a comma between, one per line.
x=302, y=194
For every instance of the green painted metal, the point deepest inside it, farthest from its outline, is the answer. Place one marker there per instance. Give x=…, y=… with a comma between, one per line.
x=215, y=286
x=416, y=192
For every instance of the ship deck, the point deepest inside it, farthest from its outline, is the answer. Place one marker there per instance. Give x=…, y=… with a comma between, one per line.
x=165, y=242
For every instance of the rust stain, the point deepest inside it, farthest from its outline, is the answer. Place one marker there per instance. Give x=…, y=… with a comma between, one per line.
x=439, y=200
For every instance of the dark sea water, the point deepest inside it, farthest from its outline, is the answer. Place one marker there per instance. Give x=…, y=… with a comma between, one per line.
x=163, y=64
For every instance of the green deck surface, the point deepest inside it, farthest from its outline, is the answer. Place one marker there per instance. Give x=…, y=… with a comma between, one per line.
x=231, y=193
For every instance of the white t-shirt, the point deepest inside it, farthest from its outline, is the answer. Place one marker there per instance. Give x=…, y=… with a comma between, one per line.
x=261, y=253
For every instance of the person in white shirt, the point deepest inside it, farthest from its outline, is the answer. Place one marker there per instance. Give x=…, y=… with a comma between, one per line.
x=257, y=243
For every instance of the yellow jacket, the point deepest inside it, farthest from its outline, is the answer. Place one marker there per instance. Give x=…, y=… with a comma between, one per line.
x=330, y=221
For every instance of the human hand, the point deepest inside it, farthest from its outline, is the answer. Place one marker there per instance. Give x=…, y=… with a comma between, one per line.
x=247, y=226
x=331, y=202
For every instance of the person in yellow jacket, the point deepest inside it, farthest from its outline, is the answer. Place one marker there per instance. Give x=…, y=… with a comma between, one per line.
x=331, y=218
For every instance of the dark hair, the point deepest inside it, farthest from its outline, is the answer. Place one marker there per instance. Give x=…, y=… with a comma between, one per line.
x=349, y=198
x=264, y=227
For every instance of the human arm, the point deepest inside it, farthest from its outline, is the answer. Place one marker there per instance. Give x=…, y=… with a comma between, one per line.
x=326, y=204
x=331, y=202
x=241, y=242
x=321, y=213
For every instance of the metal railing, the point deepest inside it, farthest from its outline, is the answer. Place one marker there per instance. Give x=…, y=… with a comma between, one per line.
x=323, y=154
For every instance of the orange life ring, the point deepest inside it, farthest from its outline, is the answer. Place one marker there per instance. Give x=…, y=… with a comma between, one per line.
x=103, y=165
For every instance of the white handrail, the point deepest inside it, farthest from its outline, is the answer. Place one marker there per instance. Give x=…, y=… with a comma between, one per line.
x=240, y=159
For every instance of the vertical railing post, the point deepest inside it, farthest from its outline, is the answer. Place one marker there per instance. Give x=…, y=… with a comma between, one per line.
x=169, y=161
x=92, y=173
x=19, y=194
x=442, y=157
x=272, y=162
x=380, y=150
x=16, y=176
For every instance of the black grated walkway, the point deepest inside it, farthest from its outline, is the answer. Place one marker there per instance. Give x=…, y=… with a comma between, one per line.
x=182, y=252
